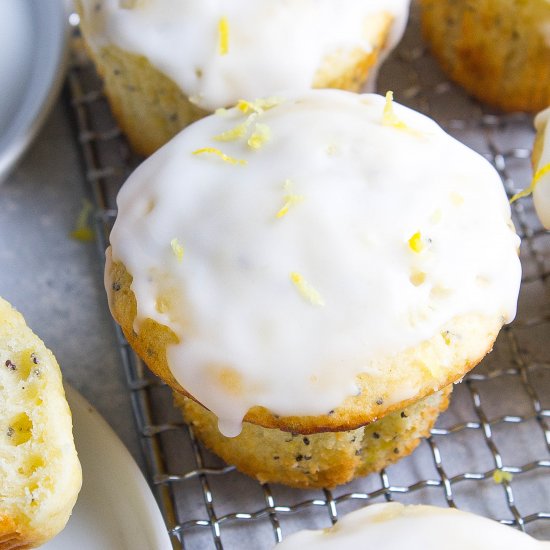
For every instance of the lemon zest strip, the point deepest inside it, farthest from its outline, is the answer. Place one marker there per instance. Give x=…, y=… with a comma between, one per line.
x=223, y=32
x=244, y=106
x=177, y=249
x=233, y=134
x=82, y=230
x=306, y=290
x=536, y=178
x=415, y=243
x=223, y=156
x=267, y=103
x=499, y=476
x=389, y=117
x=259, y=105
x=261, y=135
x=290, y=199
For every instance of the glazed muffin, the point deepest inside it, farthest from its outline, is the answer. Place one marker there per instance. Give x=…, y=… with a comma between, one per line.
x=312, y=264
x=540, y=185
x=166, y=64
x=40, y=475
x=394, y=526
x=498, y=50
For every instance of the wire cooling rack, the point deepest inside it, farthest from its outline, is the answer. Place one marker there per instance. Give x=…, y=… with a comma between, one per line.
x=499, y=417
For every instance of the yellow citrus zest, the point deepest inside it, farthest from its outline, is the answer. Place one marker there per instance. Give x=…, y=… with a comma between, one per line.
x=290, y=199
x=162, y=305
x=416, y=243
x=499, y=476
x=261, y=135
x=235, y=133
x=244, y=106
x=389, y=117
x=417, y=278
x=536, y=178
x=306, y=290
x=82, y=230
x=177, y=249
x=259, y=105
x=223, y=156
x=223, y=32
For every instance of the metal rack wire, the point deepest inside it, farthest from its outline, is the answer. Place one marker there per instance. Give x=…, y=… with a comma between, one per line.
x=499, y=419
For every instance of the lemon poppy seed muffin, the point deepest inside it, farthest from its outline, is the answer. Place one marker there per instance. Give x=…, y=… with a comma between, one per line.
x=313, y=263
x=40, y=475
x=498, y=50
x=541, y=165
x=166, y=63
x=393, y=526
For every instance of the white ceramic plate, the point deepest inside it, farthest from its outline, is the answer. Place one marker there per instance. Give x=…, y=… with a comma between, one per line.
x=116, y=509
x=33, y=39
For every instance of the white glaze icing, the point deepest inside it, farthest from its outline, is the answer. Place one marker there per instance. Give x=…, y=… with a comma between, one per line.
x=365, y=189
x=392, y=526
x=273, y=44
x=541, y=194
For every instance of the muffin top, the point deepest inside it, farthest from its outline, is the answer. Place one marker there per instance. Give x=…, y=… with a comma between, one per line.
x=394, y=526
x=541, y=192
x=245, y=48
x=293, y=243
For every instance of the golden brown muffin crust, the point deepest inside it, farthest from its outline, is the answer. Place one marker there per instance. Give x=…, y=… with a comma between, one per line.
x=461, y=345
x=323, y=459
x=498, y=50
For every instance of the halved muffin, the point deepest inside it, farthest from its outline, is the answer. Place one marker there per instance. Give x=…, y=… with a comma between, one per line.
x=40, y=475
